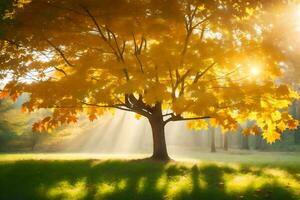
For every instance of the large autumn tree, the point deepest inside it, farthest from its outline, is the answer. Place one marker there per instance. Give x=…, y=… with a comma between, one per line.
x=201, y=61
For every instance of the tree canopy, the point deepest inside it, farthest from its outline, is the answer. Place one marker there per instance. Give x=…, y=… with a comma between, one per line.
x=203, y=61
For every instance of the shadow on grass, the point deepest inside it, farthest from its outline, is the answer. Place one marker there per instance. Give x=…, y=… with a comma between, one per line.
x=92, y=179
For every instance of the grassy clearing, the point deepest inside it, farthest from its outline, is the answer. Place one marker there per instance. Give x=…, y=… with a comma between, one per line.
x=72, y=176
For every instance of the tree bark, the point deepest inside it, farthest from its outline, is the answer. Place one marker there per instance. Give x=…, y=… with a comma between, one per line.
x=226, y=141
x=159, y=141
x=221, y=140
x=212, y=142
x=245, y=142
x=297, y=115
x=258, y=142
x=33, y=141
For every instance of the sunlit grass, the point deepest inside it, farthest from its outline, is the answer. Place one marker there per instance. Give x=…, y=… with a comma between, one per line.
x=66, y=156
x=72, y=176
x=278, y=158
x=66, y=190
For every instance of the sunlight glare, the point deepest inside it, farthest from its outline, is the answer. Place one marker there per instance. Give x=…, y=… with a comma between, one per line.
x=297, y=16
x=255, y=71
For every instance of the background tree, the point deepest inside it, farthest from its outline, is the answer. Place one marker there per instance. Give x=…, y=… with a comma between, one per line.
x=212, y=140
x=13, y=126
x=164, y=60
x=245, y=142
x=5, y=128
x=225, y=141
x=258, y=142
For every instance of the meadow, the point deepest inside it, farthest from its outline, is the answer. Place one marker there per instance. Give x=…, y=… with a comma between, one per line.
x=90, y=176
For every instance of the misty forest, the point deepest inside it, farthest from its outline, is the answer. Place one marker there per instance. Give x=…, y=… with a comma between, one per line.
x=149, y=99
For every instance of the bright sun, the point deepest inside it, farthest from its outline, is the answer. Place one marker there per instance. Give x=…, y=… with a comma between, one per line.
x=255, y=71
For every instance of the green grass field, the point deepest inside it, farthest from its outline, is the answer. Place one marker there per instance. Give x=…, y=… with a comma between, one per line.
x=71, y=176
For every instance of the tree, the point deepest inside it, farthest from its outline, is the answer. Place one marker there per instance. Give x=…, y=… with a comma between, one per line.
x=225, y=142
x=5, y=128
x=13, y=126
x=245, y=138
x=297, y=133
x=258, y=142
x=296, y=115
x=168, y=61
x=245, y=142
x=212, y=140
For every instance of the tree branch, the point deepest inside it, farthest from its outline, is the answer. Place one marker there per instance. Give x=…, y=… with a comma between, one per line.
x=99, y=29
x=11, y=42
x=137, y=51
x=118, y=52
x=174, y=118
x=60, y=53
x=61, y=70
x=199, y=75
x=120, y=107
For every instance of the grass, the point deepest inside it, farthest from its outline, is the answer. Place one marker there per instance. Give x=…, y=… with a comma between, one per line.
x=72, y=176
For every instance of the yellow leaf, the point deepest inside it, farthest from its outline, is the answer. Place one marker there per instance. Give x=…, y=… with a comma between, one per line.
x=276, y=116
x=3, y=94
x=271, y=136
x=92, y=117
x=281, y=126
x=246, y=131
x=283, y=90
x=251, y=131
x=137, y=116
x=213, y=122
x=292, y=124
x=197, y=125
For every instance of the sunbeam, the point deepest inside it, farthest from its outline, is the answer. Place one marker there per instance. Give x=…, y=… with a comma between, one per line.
x=121, y=133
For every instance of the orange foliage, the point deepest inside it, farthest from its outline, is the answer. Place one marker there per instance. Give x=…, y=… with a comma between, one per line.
x=175, y=60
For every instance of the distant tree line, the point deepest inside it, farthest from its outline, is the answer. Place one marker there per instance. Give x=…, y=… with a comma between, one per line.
x=16, y=134
x=236, y=140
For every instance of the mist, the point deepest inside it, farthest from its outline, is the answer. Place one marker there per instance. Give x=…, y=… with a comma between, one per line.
x=122, y=133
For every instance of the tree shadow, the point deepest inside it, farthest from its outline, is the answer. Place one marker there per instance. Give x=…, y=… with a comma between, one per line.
x=138, y=179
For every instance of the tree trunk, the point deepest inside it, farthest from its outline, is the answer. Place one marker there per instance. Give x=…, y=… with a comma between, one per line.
x=221, y=140
x=258, y=142
x=226, y=141
x=212, y=142
x=159, y=142
x=245, y=142
x=297, y=116
x=297, y=136
x=33, y=141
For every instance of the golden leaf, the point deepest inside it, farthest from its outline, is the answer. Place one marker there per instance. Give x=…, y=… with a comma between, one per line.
x=271, y=136
x=92, y=117
x=137, y=116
